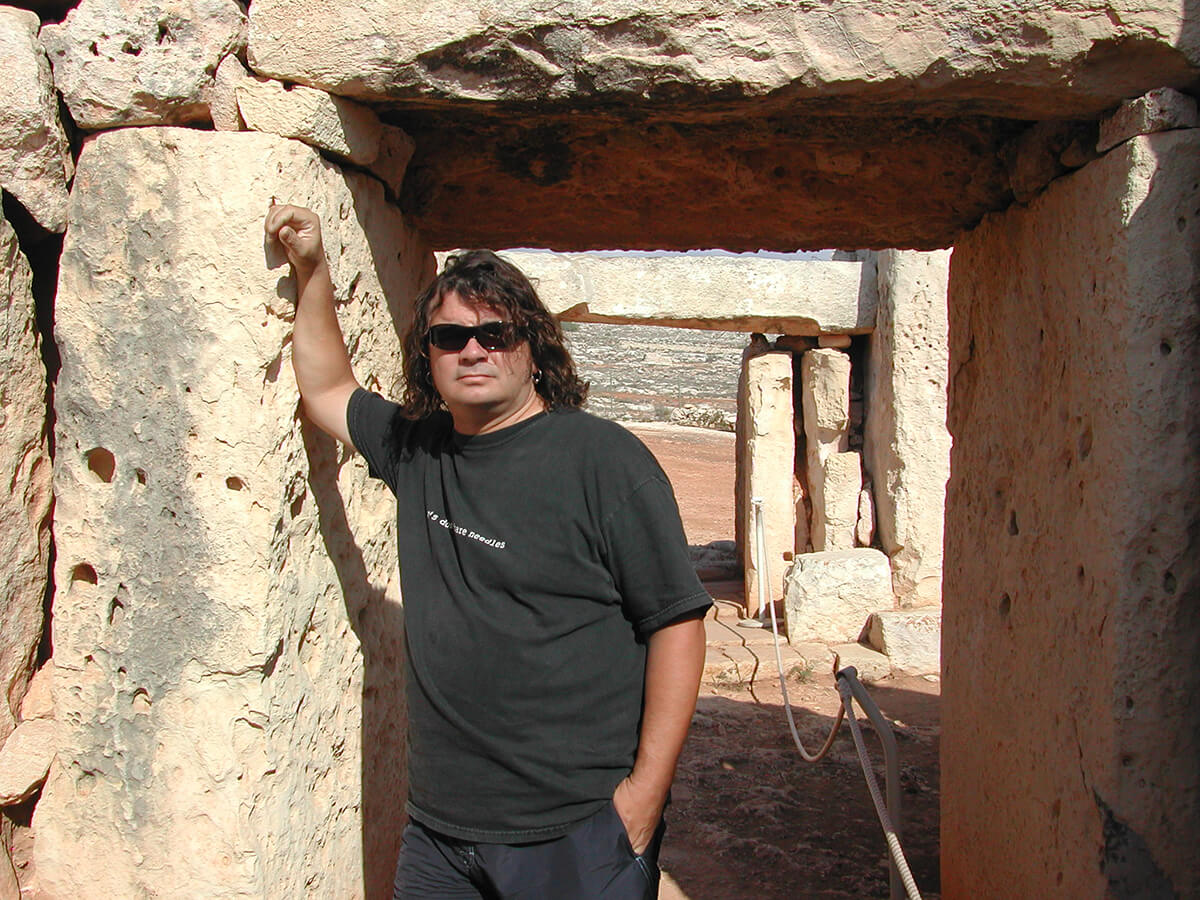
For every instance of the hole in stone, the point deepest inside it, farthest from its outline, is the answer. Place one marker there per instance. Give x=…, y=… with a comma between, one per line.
x=1085, y=443
x=1129, y=703
x=1180, y=223
x=297, y=506
x=131, y=48
x=1164, y=348
x=141, y=701
x=1169, y=583
x=116, y=612
x=102, y=463
x=234, y=483
x=1005, y=605
x=164, y=33
x=84, y=573
x=141, y=476
x=1012, y=523
x=93, y=49
x=1080, y=573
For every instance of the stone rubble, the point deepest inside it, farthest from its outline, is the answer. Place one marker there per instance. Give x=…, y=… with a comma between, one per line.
x=35, y=158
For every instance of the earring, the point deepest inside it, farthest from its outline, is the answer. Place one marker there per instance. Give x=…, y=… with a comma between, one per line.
x=537, y=377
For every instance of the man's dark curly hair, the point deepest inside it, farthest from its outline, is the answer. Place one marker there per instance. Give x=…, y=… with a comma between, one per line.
x=482, y=278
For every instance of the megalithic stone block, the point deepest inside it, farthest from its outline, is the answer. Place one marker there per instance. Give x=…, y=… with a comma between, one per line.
x=767, y=453
x=906, y=442
x=226, y=618
x=25, y=475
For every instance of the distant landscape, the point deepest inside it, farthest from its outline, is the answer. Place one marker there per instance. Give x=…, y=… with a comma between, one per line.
x=640, y=373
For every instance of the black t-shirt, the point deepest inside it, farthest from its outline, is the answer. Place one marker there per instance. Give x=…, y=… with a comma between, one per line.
x=534, y=561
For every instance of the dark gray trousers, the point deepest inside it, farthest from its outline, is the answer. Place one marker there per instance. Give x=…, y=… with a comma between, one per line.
x=593, y=861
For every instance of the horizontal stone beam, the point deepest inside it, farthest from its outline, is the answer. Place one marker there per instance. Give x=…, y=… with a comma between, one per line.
x=804, y=297
x=1065, y=60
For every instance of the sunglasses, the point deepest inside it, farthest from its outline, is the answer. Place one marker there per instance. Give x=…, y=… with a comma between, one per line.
x=489, y=335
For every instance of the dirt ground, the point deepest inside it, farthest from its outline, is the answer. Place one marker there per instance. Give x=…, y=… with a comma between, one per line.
x=750, y=818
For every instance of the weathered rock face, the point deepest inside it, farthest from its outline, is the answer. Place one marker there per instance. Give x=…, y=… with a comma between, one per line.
x=766, y=452
x=831, y=594
x=907, y=446
x=834, y=474
x=35, y=161
x=1072, y=582
x=145, y=63
x=799, y=297
x=226, y=619
x=624, y=125
x=25, y=475
x=1045, y=62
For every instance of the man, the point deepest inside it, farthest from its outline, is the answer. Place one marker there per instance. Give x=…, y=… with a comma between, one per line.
x=553, y=622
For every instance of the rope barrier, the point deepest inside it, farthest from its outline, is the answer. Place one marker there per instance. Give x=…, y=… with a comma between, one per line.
x=849, y=689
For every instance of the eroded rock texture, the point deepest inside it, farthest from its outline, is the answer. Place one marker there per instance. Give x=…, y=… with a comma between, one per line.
x=907, y=446
x=1071, y=610
x=226, y=616
x=146, y=62
x=35, y=161
x=619, y=124
x=25, y=476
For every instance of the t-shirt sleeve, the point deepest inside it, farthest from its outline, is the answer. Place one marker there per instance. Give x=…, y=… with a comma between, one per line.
x=372, y=420
x=647, y=556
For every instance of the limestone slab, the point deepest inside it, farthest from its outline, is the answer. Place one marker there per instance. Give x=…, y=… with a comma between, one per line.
x=222, y=95
x=830, y=594
x=25, y=759
x=227, y=626
x=524, y=50
x=145, y=62
x=25, y=474
x=906, y=442
x=1072, y=512
x=766, y=453
x=796, y=297
x=339, y=126
x=835, y=483
x=825, y=383
x=911, y=639
x=35, y=159
x=1162, y=109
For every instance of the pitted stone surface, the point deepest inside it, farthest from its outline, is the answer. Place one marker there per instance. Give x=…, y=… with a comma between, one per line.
x=1045, y=61
x=149, y=62
x=35, y=160
x=830, y=594
x=25, y=472
x=1072, y=512
x=907, y=444
x=799, y=297
x=766, y=451
x=226, y=639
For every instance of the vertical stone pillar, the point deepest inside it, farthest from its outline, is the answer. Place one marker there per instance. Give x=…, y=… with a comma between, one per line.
x=834, y=472
x=226, y=619
x=24, y=497
x=766, y=463
x=1070, y=728
x=907, y=446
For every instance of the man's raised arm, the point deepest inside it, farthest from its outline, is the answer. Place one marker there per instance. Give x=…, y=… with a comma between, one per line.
x=319, y=355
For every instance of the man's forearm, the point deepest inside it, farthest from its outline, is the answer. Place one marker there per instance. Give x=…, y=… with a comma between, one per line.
x=674, y=663
x=319, y=356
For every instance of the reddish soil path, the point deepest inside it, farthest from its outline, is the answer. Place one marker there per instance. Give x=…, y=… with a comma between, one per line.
x=750, y=820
